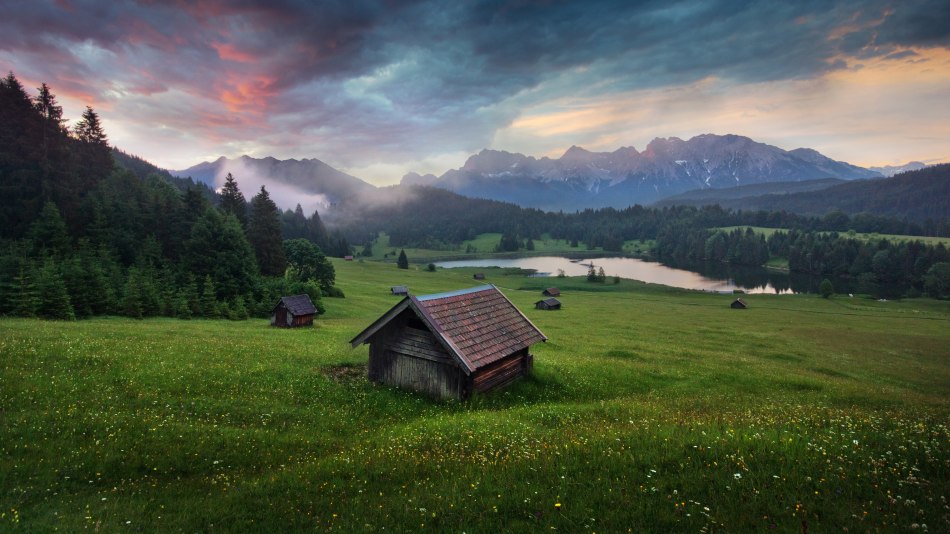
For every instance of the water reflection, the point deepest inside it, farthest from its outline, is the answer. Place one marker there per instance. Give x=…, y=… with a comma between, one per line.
x=718, y=277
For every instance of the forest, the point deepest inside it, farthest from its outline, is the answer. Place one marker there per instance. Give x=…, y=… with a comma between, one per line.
x=86, y=229
x=82, y=234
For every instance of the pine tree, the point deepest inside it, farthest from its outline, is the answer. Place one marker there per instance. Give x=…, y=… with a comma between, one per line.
x=53, y=131
x=189, y=294
x=403, y=261
x=89, y=129
x=132, y=298
x=232, y=200
x=26, y=300
x=48, y=233
x=209, y=299
x=53, y=299
x=317, y=232
x=94, y=154
x=263, y=232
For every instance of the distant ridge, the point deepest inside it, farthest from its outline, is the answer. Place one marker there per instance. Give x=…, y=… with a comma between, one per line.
x=583, y=179
x=916, y=196
x=701, y=197
x=308, y=175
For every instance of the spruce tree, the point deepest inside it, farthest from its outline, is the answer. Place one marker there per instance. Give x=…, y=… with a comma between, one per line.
x=263, y=232
x=26, y=300
x=232, y=200
x=53, y=299
x=402, y=262
x=48, y=233
x=209, y=299
x=317, y=232
x=93, y=152
x=132, y=299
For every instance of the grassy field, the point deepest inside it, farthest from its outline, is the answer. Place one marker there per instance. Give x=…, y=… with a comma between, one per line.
x=863, y=237
x=651, y=409
x=483, y=246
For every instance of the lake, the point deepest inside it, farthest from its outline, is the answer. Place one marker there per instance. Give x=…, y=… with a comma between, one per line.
x=718, y=278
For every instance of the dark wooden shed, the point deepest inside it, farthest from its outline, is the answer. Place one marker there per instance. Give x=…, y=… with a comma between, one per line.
x=449, y=345
x=479, y=276
x=551, y=292
x=739, y=304
x=399, y=290
x=296, y=310
x=548, y=304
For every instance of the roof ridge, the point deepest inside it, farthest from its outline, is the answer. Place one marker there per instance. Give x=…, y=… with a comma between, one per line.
x=456, y=293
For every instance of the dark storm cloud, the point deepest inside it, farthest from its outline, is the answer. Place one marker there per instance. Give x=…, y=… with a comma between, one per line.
x=403, y=78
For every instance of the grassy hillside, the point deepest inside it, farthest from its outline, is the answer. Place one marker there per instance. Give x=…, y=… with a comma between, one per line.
x=650, y=408
x=929, y=240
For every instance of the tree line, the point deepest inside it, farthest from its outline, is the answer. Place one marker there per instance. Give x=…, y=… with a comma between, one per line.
x=878, y=267
x=83, y=236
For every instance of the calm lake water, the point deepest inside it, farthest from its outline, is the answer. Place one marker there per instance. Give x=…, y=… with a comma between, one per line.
x=718, y=278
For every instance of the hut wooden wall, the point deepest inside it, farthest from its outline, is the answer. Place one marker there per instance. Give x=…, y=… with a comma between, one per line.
x=403, y=356
x=303, y=320
x=502, y=372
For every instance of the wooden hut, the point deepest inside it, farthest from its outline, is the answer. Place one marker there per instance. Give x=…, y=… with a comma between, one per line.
x=348, y=258
x=399, y=290
x=551, y=292
x=548, y=304
x=479, y=276
x=739, y=304
x=296, y=310
x=449, y=345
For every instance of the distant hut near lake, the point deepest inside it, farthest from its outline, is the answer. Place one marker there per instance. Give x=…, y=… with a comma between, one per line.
x=399, y=290
x=348, y=258
x=293, y=311
x=739, y=304
x=551, y=292
x=452, y=344
x=479, y=276
x=548, y=304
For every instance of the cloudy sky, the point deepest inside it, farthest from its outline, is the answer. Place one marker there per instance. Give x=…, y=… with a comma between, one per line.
x=379, y=88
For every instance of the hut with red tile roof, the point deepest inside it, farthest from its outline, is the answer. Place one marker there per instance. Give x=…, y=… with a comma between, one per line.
x=450, y=345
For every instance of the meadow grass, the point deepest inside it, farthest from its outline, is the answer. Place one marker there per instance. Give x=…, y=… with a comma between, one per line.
x=484, y=245
x=650, y=408
x=866, y=237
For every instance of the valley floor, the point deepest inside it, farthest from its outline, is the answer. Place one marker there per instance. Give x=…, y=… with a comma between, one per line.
x=650, y=408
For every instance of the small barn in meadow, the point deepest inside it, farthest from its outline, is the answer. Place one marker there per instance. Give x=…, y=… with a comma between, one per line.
x=347, y=258
x=739, y=304
x=548, y=304
x=551, y=292
x=449, y=345
x=479, y=276
x=295, y=310
x=399, y=290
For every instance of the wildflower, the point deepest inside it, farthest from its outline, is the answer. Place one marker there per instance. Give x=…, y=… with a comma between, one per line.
x=557, y=506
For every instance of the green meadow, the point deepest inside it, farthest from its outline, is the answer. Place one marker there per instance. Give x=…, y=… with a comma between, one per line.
x=484, y=245
x=865, y=237
x=650, y=409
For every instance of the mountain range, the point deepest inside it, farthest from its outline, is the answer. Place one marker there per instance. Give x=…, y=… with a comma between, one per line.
x=583, y=179
x=705, y=166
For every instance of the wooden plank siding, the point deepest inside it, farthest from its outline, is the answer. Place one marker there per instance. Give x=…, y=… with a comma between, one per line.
x=501, y=373
x=403, y=356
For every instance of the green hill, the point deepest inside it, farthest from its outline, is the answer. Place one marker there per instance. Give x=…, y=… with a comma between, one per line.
x=649, y=408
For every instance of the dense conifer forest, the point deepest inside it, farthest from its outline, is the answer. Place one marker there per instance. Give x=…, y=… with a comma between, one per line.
x=87, y=230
